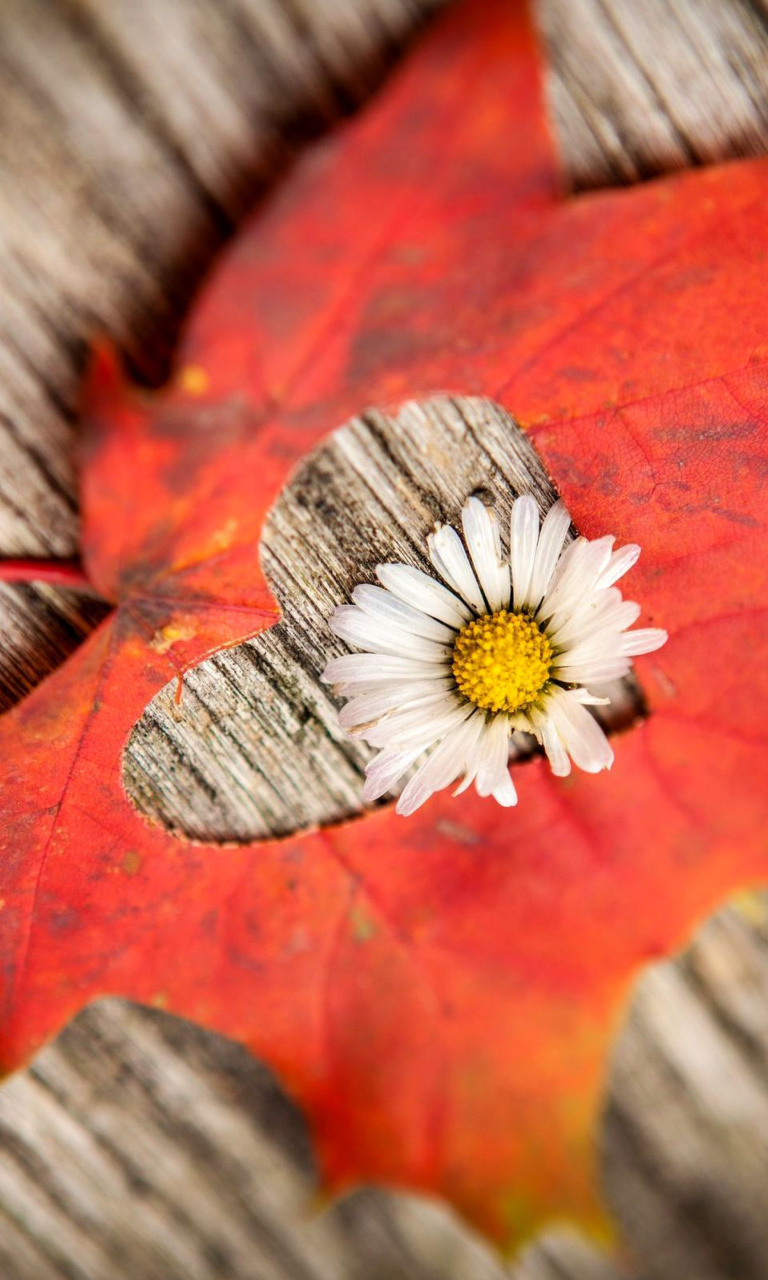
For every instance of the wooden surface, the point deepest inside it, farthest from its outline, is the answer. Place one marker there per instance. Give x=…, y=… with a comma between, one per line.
x=639, y=87
x=141, y=1148
x=135, y=133
x=686, y=1129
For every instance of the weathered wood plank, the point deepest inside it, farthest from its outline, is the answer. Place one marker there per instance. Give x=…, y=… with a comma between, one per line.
x=564, y=1256
x=637, y=89
x=686, y=1129
x=40, y=624
x=132, y=1119
x=141, y=1146
x=133, y=137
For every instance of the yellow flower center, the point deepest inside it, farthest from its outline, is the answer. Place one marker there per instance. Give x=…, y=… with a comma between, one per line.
x=501, y=662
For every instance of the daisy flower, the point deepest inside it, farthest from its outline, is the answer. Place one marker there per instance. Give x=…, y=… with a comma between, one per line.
x=453, y=668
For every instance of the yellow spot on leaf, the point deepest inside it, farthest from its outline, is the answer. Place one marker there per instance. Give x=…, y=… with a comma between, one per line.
x=193, y=379
x=170, y=635
x=131, y=862
x=752, y=906
x=224, y=537
x=363, y=927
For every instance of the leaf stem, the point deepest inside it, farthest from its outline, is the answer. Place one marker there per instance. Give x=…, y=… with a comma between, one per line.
x=57, y=573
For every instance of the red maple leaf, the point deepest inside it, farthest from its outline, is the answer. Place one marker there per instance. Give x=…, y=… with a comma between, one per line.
x=458, y=1043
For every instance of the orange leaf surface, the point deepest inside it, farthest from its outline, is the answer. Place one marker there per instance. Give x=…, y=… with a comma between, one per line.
x=439, y=992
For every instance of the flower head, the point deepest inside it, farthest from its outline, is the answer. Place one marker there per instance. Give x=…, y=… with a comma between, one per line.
x=453, y=670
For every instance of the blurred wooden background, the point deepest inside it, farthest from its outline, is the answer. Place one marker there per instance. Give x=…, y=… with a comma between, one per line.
x=135, y=134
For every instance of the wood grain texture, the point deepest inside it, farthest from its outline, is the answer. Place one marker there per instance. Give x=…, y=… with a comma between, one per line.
x=686, y=1127
x=141, y=1146
x=637, y=89
x=134, y=135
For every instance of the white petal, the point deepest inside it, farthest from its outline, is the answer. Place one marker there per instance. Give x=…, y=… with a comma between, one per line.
x=644, y=640
x=404, y=719
x=504, y=792
x=481, y=532
x=620, y=562
x=367, y=707
x=596, y=672
x=440, y=769
x=582, y=736
x=618, y=615
x=553, y=534
x=357, y=688
x=418, y=728
x=601, y=609
x=562, y=568
x=588, y=699
x=378, y=603
x=599, y=644
x=494, y=755
x=559, y=760
x=385, y=771
x=422, y=592
x=446, y=551
x=622, y=615
x=480, y=766
x=580, y=566
x=476, y=756
x=523, y=538
x=478, y=725
x=377, y=668
x=359, y=629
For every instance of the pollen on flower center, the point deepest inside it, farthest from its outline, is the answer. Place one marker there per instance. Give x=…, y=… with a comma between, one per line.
x=501, y=661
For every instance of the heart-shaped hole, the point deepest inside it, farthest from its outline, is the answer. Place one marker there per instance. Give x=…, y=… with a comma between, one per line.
x=254, y=749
